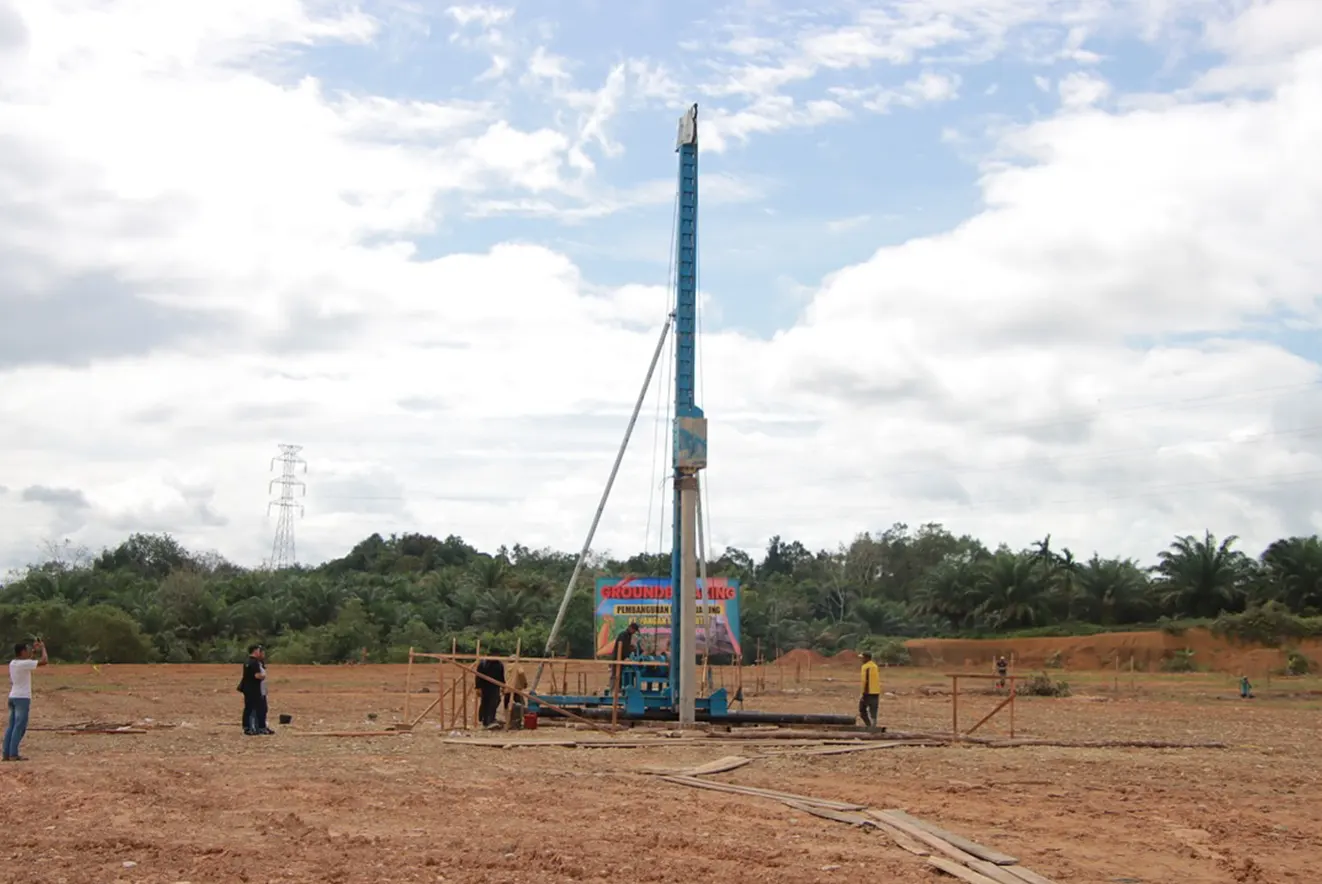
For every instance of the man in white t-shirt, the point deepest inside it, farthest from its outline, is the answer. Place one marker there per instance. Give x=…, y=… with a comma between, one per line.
x=20, y=695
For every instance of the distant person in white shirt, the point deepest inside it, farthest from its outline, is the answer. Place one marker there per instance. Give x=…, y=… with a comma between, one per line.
x=20, y=695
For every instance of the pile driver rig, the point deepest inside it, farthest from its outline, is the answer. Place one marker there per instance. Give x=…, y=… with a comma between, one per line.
x=665, y=686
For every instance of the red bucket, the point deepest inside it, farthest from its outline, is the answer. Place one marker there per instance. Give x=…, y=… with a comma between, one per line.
x=530, y=721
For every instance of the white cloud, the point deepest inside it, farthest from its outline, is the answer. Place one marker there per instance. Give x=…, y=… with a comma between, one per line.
x=721, y=128
x=1082, y=90
x=486, y=16
x=1072, y=359
x=840, y=225
x=774, y=77
x=928, y=87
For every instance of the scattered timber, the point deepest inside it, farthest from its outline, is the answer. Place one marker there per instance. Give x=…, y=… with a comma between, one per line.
x=964, y=844
x=1097, y=744
x=963, y=873
x=763, y=793
x=720, y=765
x=953, y=854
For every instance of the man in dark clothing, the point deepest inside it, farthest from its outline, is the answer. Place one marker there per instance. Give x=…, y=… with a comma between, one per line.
x=250, y=685
x=622, y=650
x=492, y=668
x=262, y=706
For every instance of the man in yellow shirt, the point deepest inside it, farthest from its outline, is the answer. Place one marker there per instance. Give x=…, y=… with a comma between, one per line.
x=870, y=701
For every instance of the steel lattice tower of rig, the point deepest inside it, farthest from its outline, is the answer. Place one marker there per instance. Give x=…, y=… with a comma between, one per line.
x=283, y=553
x=689, y=454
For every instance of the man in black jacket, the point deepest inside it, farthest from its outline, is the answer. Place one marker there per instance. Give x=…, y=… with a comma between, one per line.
x=250, y=685
x=492, y=668
x=621, y=650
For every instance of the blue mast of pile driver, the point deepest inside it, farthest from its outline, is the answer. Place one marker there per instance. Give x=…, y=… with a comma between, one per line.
x=690, y=430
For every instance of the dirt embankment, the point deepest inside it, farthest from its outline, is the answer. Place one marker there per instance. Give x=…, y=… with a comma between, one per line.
x=1146, y=649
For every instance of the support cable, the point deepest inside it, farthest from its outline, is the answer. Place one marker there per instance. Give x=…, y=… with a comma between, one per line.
x=601, y=507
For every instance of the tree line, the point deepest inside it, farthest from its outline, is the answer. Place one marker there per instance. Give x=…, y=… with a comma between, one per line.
x=151, y=600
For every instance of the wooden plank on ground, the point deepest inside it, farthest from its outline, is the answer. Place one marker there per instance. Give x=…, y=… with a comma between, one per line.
x=347, y=733
x=963, y=873
x=999, y=874
x=1027, y=876
x=482, y=743
x=901, y=839
x=866, y=747
x=761, y=793
x=964, y=844
x=720, y=765
x=839, y=816
x=992, y=743
x=922, y=835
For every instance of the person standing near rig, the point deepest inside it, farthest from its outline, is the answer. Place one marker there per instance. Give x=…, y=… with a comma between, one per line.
x=489, y=689
x=869, y=703
x=20, y=695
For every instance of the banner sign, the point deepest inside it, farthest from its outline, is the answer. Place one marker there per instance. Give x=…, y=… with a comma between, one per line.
x=646, y=601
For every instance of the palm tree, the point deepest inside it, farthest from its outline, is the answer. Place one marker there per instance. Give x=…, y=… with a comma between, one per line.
x=948, y=592
x=1201, y=578
x=1114, y=591
x=1013, y=590
x=1292, y=569
x=504, y=609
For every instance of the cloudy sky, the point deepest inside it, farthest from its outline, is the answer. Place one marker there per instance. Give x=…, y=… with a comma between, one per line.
x=1019, y=266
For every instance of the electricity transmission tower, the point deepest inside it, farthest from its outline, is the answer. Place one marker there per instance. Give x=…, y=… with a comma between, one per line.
x=282, y=548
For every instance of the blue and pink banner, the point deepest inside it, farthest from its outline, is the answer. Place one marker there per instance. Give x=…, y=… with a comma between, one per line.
x=646, y=601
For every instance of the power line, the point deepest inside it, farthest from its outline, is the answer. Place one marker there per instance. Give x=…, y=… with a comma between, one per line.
x=283, y=553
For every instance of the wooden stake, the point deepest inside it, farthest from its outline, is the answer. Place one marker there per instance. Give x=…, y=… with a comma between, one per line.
x=408, y=686
x=1014, y=692
x=954, y=705
x=477, y=697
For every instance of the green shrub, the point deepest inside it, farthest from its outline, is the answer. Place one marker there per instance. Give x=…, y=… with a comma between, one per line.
x=1179, y=661
x=104, y=634
x=1297, y=664
x=1042, y=685
x=1270, y=624
x=886, y=651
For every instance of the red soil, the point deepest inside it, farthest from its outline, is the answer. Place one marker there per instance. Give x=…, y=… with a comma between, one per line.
x=802, y=656
x=1146, y=649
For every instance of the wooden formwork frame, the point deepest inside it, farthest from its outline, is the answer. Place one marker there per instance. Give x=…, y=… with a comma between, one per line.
x=458, y=685
x=954, y=677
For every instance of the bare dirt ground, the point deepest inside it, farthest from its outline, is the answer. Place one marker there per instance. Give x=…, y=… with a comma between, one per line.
x=199, y=802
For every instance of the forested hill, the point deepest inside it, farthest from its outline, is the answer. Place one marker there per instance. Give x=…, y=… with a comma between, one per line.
x=150, y=599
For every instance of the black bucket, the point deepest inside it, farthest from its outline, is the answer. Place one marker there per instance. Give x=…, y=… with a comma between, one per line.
x=286, y=719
